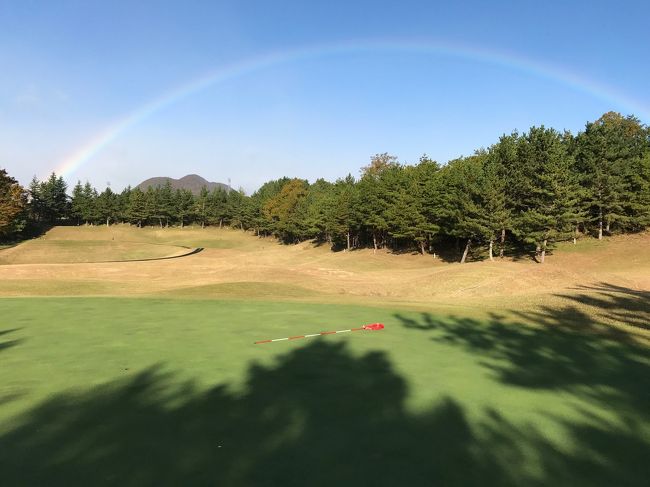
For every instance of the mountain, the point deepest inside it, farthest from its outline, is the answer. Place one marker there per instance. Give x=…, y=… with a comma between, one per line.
x=193, y=182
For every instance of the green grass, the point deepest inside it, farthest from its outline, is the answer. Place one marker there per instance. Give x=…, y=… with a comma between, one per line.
x=261, y=290
x=110, y=391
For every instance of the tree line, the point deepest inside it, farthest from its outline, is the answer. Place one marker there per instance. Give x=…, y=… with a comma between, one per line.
x=529, y=189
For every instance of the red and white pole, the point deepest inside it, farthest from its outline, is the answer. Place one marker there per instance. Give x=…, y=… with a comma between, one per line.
x=374, y=326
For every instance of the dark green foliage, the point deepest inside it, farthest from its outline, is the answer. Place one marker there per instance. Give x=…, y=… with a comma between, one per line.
x=108, y=208
x=49, y=201
x=183, y=205
x=535, y=188
x=552, y=208
x=608, y=155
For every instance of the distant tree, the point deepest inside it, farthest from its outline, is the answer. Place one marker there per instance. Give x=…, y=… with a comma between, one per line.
x=123, y=203
x=137, y=207
x=89, y=209
x=379, y=163
x=107, y=206
x=165, y=203
x=344, y=216
x=76, y=202
x=183, y=205
x=234, y=208
x=373, y=203
x=48, y=199
x=13, y=201
x=218, y=207
x=151, y=197
x=317, y=204
x=260, y=222
x=201, y=206
x=83, y=203
x=282, y=208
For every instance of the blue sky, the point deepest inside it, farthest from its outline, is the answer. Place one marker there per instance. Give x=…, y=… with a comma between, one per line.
x=103, y=90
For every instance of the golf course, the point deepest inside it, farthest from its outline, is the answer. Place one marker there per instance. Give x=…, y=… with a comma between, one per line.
x=127, y=357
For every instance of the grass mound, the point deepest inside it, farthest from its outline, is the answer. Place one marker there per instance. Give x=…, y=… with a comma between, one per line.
x=46, y=251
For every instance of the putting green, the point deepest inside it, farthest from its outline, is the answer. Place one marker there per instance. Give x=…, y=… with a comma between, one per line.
x=107, y=391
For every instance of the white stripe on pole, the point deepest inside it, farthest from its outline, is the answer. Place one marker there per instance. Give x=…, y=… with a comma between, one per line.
x=279, y=339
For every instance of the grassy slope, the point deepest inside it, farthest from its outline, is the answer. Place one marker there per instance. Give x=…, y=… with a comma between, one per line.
x=479, y=387
x=84, y=245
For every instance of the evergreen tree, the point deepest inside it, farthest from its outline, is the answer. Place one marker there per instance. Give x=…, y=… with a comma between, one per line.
x=89, y=211
x=107, y=206
x=77, y=202
x=48, y=199
x=461, y=203
x=201, y=206
x=636, y=200
x=344, y=216
x=164, y=203
x=316, y=206
x=493, y=187
x=553, y=203
x=137, y=207
x=183, y=205
x=373, y=205
x=606, y=151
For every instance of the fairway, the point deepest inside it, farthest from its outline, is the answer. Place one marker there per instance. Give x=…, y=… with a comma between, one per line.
x=105, y=390
x=137, y=373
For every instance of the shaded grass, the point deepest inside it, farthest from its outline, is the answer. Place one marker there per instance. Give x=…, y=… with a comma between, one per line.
x=165, y=392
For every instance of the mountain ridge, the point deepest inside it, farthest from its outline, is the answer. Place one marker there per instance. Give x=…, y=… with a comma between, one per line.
x=193, y=182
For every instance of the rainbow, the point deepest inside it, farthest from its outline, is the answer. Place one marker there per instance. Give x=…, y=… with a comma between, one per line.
x=98, y=142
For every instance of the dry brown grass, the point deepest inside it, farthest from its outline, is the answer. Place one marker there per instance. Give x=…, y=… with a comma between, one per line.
x=239, y=265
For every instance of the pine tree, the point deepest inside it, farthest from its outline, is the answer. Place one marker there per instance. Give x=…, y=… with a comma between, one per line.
x=77, y=202
x=183, y=205
x=344, y=217
x=89, y=209
x=498, y=213
x=136, y=209
x=201, y=206
x=553, y=202
x=460, y=204
x=605, y=151
x=107, y=206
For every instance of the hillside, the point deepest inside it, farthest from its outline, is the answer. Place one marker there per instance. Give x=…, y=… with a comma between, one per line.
x=604, y=279
x=193, y=182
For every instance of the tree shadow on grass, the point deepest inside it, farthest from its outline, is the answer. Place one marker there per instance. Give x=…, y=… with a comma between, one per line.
x=566, y=351
x=619, y=304
x=319, y=416
x=5, y=345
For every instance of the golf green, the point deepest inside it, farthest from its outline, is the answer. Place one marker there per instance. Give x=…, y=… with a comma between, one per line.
x=106, y=391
